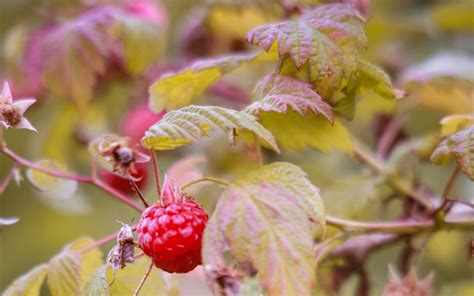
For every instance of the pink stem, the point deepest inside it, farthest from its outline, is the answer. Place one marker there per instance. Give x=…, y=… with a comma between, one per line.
x=63, y=175
x=8, y=178
x=156, y=171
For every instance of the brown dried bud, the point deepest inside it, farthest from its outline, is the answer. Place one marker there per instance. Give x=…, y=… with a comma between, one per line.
x=409, y=285
x=10, y=113
x=120, y=153
x=124, y=251
x=225, y=280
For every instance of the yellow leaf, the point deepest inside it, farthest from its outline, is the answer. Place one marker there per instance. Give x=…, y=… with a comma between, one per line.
x=294, y=131
x=454, y=123
x=28, y=284
x=55, y=187
x=70, y=270
x=124, y=281
x=179, y=89
x=186, y=125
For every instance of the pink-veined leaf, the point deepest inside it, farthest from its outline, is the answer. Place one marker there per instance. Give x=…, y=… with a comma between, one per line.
x=327, y=38
x=461, y=146
x=277, y=92
x=268, y=219
x=75, y=53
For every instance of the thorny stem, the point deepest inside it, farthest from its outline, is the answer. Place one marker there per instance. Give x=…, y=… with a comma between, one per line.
x=142, y=282
x=63, y=175
x=156, y=171
x=205, y=179
x=447, y=189
x=139, y=193
x=8, y=178
x=379, y=167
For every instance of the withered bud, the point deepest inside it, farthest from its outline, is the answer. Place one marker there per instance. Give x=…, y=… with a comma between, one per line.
x=226, y=280
x=10, y=113
x=409, y=285
x=120, y=153
x=124, y=251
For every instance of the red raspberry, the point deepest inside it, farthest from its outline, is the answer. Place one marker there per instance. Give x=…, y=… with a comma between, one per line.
x=172, y=234
x=123, y=185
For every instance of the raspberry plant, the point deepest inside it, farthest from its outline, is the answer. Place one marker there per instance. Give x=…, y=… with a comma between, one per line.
x=325, y=162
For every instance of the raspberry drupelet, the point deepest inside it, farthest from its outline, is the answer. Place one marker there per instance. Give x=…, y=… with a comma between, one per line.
x=170, y=233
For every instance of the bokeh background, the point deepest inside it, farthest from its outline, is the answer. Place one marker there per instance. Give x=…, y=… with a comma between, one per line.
x=403, y=35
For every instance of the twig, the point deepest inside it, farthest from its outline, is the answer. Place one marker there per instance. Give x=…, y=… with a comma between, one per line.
x=100, y=243
x=139, y=193
x=8, y=178
x=205, y=179
x=379, y=167
x=398, y=227
x=388, y=137
x=447, y=189
x=63, y=175
x=142, y=282
x=463, y=202
x=156, y=171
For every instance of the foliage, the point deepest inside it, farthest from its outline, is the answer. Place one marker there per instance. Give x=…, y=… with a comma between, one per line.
x=116, y=87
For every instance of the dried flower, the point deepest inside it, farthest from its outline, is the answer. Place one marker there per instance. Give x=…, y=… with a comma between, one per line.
x=11, y=112
x=410, y=285
x=124, y=251
x=120, y=153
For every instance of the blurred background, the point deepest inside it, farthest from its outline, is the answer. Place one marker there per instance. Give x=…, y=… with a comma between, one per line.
x=426, y=46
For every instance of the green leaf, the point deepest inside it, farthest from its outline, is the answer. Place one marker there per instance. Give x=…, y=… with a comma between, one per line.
x=70, y=270
x=268, y=219
x=28, y=284
x=98, y=285
x=179, y=89
x=277, y=92
x=143, y=43
x=327, y=38
x=372, y=78
x=186, y=125
x=461, y=146
x=454, y=123
x=55, y=188
x=293, y=131
x=442, y=82
x=124, y=281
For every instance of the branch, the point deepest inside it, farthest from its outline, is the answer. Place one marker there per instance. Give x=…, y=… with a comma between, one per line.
x=379, y=167
x=142, y=282
x=8, y=178
x=398, y=227
x=63, y=175
x=156, y=171
x=388, y=137
x=447, y=189
x=205, y=179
